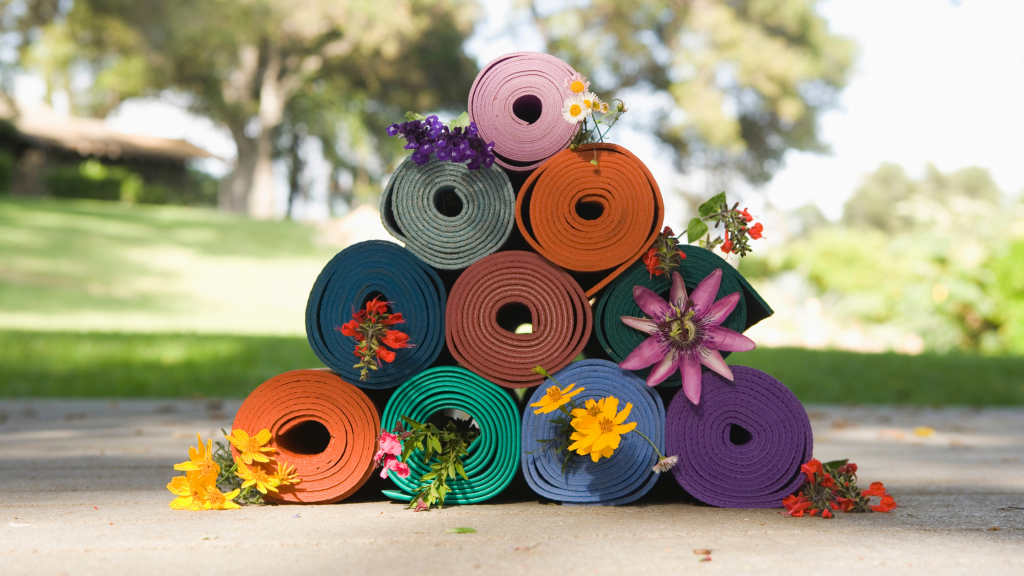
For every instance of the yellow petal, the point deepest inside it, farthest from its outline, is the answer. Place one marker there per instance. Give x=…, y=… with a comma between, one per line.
x=186, y=466
x=601, y=442
x=613, y=442
x=232, y=495
x=263, y=437
x=624, y=428
x=569, y=387
x=231, y=506
x=595, y=456
x=624, y=414
x=611, y=405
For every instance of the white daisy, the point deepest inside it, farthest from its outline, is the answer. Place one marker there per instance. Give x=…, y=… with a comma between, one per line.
x=575, y=110
x=577, y=84
x=665, y=464
x=590, y=101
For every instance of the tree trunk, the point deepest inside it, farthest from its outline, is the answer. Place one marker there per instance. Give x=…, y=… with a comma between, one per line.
x=234, y=191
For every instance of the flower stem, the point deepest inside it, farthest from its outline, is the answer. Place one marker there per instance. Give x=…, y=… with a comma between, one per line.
x=656, y=451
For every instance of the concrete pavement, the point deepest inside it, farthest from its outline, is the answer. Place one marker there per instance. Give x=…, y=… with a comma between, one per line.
x=82, y=492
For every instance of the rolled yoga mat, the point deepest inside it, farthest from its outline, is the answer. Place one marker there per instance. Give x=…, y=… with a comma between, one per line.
x=445, y=213
x=324, y=426
x=618, y=340
x=493, y=457
x=742, y=447
x=595, y=221
x=516, y=102
x=353, y=277
x=502, y=291
x=619, y=479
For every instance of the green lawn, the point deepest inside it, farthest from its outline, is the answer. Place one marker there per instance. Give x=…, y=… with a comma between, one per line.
x=168, y=365
x=88, y=265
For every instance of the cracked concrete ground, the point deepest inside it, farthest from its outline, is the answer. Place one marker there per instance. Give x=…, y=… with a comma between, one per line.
x=82, y=492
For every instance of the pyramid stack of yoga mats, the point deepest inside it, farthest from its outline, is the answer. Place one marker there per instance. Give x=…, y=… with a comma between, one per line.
x=543, y=238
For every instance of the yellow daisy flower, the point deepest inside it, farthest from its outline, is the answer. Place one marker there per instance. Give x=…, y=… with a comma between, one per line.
x=255, y=475
x=285, y=474
x=217, y=500
x=251, y=447
x=554, y=398
x=577, y=84
x=575, y=110
x=592, y=409
x=603, y=431
x=200, y=460
x=191, y=491
x=595, y=456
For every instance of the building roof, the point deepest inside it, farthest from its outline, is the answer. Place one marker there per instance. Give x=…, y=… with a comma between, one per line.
x=41, y=125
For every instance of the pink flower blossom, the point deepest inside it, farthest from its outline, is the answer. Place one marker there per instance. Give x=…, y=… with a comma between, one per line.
x=394, y=465
x=685, y=333
x=389, y=444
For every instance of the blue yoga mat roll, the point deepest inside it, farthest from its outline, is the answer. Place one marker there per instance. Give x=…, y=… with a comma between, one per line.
x=354, y=276
x=619, y=479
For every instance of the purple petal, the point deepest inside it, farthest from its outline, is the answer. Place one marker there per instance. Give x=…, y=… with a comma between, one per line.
x=721, y=338
x=649, y=301
x=641, y=324
x=662, y=370
x=678, y=293
x=648, y=352
x=690, y=371
x=720, y=310
x=704, y=295
x=712, y=359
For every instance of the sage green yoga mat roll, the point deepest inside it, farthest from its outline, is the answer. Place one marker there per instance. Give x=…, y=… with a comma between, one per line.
x=493, y=457
x=618, y=340
x=445, y=213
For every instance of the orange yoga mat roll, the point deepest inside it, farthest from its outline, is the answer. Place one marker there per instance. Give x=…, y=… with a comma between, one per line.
x=594, y=221
x=324, y=426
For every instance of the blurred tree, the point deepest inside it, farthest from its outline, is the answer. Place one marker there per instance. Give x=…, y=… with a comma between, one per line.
x=247, y=63
x=930, y=256
x=747, y=78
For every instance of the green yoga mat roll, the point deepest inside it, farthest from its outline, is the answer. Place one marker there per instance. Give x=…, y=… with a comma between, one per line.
x=618, y=340
x=445, y=213
x=493, y=457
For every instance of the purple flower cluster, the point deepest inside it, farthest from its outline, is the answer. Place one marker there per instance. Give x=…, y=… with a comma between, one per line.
x=458, y=145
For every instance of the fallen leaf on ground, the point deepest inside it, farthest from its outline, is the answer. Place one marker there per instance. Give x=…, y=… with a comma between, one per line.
x=924, y=431
x=460, y=531
x=702, y=551
x=994, y=529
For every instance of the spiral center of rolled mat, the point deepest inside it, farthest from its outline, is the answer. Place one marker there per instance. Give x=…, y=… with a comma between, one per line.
x=309, y=437
x=589, y=210
x=447, y=202
x=378, y=295
x=527, y=108
x=739, y=435
x=514, y=315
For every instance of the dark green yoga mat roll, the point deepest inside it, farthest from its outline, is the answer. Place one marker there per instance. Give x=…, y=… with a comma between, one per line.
x=445, y=213
x=618, y=340
x=493, y=457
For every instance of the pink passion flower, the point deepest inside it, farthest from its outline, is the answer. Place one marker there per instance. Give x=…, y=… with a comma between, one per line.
x=685, y=333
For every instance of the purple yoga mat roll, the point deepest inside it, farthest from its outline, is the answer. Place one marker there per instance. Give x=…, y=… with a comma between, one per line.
x=742, y=447
x=516, y=102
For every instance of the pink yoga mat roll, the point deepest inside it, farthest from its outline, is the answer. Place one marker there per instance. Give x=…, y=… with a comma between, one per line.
x=516, y=102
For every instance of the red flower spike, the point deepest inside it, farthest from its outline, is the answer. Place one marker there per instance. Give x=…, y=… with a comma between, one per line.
x=651, y=261
x=727, y=245
x=755, y=231
x=667, y=232
x=888, y=503
x=393, y=318
x=385, y=354
x=850, y=468
x=826, y=513
x=828, y=482
x=746, y=215
x=682, y=254
x=350, y=328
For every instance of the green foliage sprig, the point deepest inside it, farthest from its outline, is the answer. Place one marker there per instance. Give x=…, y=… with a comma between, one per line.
x=735, y=222
x=443, y=448
x=227, y=480
x=560, y=441
x=592, y=133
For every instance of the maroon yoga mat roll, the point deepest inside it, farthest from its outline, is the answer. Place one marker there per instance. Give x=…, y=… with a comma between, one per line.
x=742, y=447
x=504, y=290
x=516, y=102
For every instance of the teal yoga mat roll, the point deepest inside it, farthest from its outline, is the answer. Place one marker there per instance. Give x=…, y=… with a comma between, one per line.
x=493, y=457
x=445, y=213
x=353, y=277
x=618, y=340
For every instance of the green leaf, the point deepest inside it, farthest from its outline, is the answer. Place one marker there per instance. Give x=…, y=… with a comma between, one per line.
x=713, y=205
x=451, y=469
x=834, y=465
x=461, y=470
x=435, y=443
x=460, y=531
x=696, y=229
x=410, y=115
x=462, y=120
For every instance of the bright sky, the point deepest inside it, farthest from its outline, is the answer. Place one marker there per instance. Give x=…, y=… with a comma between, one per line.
x=936, y=80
